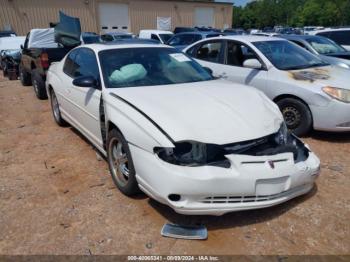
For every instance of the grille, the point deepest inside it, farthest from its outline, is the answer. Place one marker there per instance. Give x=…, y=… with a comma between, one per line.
x=244, y=199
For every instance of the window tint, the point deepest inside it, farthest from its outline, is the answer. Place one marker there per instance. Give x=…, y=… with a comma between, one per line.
x=107, y=38
x=210, y=51
x=69, y=63
x=85, y=64
x=174, y=40
x=325, y=34
x=237, y=53
x=155, y=37
x=186, y=39
x=299, y=44
x=340, y=37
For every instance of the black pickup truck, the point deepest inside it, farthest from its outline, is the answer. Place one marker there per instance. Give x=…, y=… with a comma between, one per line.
x=34, y=64
x=45, y=46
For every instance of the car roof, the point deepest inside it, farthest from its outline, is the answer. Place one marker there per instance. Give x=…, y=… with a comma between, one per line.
x=203, y=33
x=249, y=38
x=301, y=37
x=329, y=30
x=124, y=43
x=117, y=33
x=156, y=31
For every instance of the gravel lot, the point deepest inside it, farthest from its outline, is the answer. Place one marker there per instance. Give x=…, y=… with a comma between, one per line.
x=56, y=197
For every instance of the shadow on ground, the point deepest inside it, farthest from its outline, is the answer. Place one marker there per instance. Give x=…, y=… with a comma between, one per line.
x=332, y=137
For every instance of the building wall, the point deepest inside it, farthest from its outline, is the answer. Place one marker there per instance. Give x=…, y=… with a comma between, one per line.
x=23, y=15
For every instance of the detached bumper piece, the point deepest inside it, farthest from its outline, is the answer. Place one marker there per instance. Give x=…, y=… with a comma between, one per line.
x=185, y=232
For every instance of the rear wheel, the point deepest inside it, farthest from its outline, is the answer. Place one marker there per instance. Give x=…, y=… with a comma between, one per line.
x=24, y=77
x=120, y=164
x=297, y=115
x=56, y=110
x=39, y=85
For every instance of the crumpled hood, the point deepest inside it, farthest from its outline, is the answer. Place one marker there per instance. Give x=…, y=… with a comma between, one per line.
x=324, y=76
x=217, y=111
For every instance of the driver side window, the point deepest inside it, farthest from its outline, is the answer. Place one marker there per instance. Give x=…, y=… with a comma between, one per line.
x=85, y=64
x=238, y=53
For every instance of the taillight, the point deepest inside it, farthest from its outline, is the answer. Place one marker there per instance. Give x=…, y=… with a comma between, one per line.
x=44, y=58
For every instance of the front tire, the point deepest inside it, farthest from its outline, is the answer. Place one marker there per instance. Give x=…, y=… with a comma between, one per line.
x=120, y=164
x=39, y=85
x=297, y=115
x=56, y=110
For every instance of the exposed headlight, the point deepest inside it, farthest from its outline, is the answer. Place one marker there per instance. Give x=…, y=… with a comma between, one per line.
x=338, y=93
x=191, y=153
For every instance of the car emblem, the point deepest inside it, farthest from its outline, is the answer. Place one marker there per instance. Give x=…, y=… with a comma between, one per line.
x=272, y=164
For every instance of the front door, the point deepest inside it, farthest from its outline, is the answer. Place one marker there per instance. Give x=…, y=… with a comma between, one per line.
x=85, y=102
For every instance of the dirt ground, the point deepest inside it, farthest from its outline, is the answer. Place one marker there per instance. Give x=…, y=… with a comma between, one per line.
x=57, y=197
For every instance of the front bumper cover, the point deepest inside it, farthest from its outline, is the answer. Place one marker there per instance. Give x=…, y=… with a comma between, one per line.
x=250, y=182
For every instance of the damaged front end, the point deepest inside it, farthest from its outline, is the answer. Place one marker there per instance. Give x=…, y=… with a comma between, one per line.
x=192, y=153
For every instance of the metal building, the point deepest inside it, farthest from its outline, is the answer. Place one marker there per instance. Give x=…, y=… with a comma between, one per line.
x=115, y=15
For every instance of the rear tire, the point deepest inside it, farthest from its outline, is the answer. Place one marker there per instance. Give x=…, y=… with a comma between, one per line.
x=120, y=164
x=297, y=115
x=56, y=112
x=39, y=85
x=24, y=77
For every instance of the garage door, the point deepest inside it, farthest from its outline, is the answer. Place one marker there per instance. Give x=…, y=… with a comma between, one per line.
x=204, y=16
x=114, y=17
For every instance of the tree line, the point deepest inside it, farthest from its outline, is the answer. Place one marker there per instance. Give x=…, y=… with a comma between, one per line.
x=295, y=13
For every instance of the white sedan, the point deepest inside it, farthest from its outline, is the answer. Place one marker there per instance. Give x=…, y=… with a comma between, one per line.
x=168, y=128
x=309, y=92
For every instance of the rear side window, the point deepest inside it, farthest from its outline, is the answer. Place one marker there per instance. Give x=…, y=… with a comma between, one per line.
x=69, y=63
x=210, y=51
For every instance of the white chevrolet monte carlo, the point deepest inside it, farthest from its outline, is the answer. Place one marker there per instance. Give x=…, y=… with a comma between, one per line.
x=199, y=145
x=309, y=92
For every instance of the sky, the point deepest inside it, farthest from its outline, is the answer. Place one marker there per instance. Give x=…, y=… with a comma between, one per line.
x=236, y=2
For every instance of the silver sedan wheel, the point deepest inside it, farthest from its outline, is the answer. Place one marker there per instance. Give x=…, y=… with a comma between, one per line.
x=118, y=161
x=55, y=107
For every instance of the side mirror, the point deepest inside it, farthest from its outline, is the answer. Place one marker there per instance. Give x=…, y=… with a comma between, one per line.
x=252, y=63
x=22, y=47
x=85, y=81
x=208, y=70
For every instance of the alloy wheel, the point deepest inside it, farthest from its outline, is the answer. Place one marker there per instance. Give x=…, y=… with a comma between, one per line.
x=118, y=161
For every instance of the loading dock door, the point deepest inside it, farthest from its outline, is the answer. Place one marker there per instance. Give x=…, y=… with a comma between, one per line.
x=204, y=16
x=114, y=17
